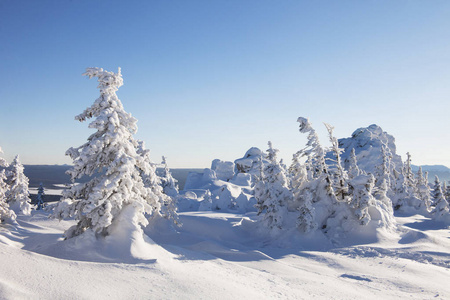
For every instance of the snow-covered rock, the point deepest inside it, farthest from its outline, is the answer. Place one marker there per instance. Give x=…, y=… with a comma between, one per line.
x=368, y=143
x=224, y=169
x=251, y=158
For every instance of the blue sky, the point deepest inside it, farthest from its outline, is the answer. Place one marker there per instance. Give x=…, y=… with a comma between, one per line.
x=210, y=79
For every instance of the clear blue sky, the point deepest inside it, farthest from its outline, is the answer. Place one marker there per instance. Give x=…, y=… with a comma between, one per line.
x=210, y=79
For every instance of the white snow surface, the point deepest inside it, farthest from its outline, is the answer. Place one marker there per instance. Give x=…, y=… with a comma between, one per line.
x=223, y=256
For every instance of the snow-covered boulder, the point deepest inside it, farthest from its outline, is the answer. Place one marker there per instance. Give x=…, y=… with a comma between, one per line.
x=224, y=169
x=242, y=179
x=197, y=180
x=188, y=201
x=219, y=188
x=368, y=143
x=250, y=160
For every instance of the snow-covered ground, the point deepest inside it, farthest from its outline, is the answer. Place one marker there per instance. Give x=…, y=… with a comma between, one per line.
x=222, y=256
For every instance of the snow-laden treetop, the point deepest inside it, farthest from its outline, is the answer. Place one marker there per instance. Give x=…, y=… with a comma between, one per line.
x=305, y=125
x=114, y=125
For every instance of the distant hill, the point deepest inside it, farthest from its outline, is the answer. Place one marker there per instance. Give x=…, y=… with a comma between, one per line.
x=441, y=171
x=50, y=175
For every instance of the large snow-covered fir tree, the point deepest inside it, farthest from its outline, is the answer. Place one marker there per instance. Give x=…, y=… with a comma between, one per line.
x=17, y=195
x=115, y=195
x=273, y=193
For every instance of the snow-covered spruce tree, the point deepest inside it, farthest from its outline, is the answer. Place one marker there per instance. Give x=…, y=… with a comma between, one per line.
x=40, y=197
x=274, y=194
x=17, y=195
x=340, y=176
x=314, y=153
x=399, y=189
x=383, y=171
x=115, y=195
x=317, y=200
x=353, y=169
x=297, y=175
x=441, y=208
x=164, y=205
x=446, y=192
x=423, y=191
x=362, y=197
x=6, y=214
x=370, y=204
x=302, y=196
x=3, y=163
x=409, y=176
x=169, y=184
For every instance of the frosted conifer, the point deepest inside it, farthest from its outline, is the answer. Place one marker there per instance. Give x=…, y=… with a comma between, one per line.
x=169, y=184
x=340, y=175
x=422, y=190
x=3, y=163
x=170, y=189
x=383, y=170
x=40, y=197
x=409, y=176
x=362, y=198
x=17, y=195
x=273, y=193
x=6, y=214
x=353, y=169
x=447, y=192
x=115, y=193
x=315, y=154
x=441, y=206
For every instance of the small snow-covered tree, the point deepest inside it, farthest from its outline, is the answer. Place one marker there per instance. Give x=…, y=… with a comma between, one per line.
x=353, y=169
x=169, y=184
x=115, y=195
x=170, y=189
x=273, y=193
x=317, y=199
x=297, y=174
x=362, y=197
x=314, y=153
x=422, y=190
x=409, y=176
x=17, y=195
x=40, y=197
x=6, y=214
x=441, y=206
x=447, y=192
x=340, y=185
x=383, y=171
x=3, y=163
x=164, y=205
